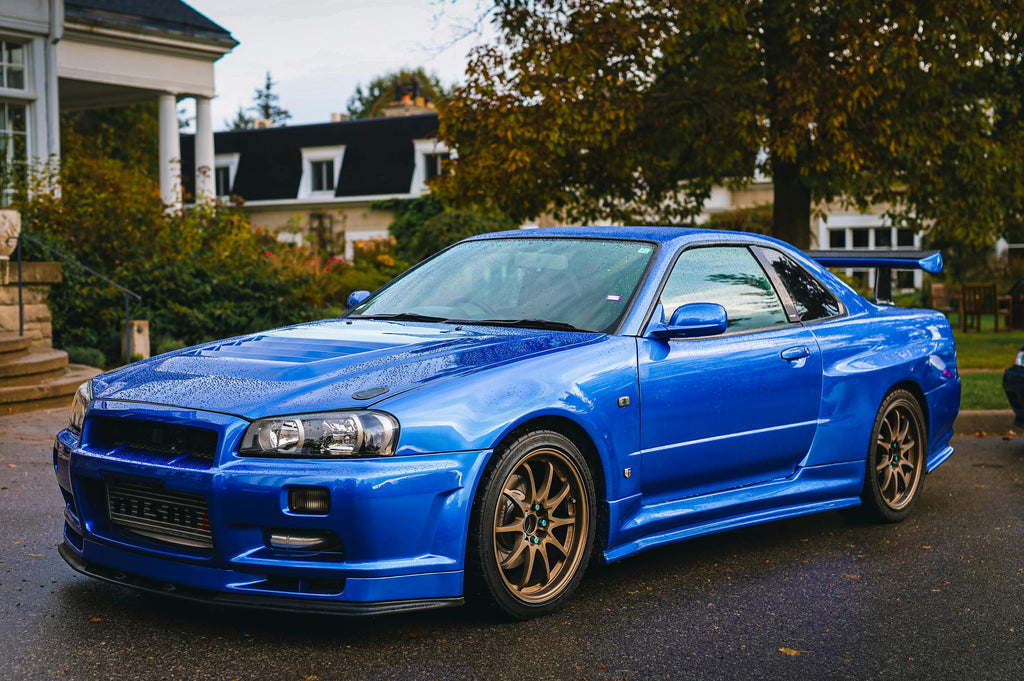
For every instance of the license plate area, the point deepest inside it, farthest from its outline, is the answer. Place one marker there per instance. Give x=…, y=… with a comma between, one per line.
x=151, y=511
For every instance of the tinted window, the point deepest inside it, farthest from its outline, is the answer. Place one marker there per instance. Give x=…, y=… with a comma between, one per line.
x=729, y=276
x=811, y=298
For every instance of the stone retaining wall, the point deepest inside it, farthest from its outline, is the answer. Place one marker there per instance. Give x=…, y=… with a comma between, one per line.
x=37, y=278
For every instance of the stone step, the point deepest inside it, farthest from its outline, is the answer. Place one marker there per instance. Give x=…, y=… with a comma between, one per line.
x=13, y=346
x=38, y=362
x=51, y=392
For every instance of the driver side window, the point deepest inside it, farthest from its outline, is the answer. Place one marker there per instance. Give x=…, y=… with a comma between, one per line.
x=729, y=276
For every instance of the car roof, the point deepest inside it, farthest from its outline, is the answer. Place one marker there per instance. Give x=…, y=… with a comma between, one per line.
x=661, y=235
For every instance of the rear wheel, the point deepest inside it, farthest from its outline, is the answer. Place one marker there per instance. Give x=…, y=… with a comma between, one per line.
x=533, y=525
x=896, y=460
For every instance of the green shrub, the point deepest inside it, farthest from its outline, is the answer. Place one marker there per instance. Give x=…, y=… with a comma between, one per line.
x=202, y=274
x=164, y=344
x=88, y=356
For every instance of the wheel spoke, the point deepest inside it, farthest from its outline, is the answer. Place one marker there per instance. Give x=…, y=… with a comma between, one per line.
x=883, y=464
x=885, y=481
x=511, y=496
x=543, y=554
x=554, y=522
x=531, y=496
x=545, y=491
x=559, y=546
x=516, y=559
x=514, y=526
x=552, y=504
x=903, y=426
x=530, y=555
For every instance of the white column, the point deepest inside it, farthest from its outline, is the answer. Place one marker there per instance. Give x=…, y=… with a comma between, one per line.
x=206, y=186
x=170, y=152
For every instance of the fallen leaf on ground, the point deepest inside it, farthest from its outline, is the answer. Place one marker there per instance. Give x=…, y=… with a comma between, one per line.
x=93, y=620
x=793, y=653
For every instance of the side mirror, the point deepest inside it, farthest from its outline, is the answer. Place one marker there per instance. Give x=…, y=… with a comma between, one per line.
x=355, y=298
x=693, y=320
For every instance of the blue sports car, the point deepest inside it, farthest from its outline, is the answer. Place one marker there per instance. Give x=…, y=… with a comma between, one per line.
x=503, y=413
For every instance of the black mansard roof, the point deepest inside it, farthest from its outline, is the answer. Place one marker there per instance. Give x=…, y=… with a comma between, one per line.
x=379, y=156
x=172, y=16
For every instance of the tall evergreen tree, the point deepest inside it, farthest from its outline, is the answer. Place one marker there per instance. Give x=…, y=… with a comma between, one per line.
x=265, y=104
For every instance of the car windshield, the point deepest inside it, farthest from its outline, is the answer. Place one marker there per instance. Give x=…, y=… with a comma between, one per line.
x=583, y=284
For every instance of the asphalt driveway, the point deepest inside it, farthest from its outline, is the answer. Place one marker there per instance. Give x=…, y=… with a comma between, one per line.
x=940, y=596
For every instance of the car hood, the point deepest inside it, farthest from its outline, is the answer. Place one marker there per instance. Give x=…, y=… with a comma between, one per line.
x=322, y=366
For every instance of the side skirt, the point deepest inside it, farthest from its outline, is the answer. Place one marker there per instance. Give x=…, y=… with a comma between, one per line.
x=637, y=527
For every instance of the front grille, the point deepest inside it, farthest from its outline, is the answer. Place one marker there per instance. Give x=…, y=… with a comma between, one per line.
x=151, y=511
x=153, y=436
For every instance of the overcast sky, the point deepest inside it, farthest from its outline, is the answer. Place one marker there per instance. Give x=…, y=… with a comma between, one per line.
x=317, y=51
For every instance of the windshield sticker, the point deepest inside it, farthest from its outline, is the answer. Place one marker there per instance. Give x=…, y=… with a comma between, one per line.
x=616, y=298
x=644, y=250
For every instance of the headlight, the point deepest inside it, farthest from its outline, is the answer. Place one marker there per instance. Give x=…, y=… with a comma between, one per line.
x=1019, y=360
x=80, y=405
x=346, y=434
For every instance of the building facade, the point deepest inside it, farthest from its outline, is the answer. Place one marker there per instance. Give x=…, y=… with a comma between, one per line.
x=60, y=55
x=318, y=182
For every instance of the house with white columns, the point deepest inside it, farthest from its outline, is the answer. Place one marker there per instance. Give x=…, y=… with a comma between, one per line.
x=60, y=55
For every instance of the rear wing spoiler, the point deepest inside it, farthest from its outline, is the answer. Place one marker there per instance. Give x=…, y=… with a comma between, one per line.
x=885, y=261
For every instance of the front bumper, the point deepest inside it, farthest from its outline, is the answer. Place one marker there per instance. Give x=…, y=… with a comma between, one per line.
x=402, y=521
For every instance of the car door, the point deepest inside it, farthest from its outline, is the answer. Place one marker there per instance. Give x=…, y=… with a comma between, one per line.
x=731, y=410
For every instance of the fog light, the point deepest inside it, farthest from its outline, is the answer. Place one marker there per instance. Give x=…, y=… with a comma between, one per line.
x=309, y=500
x=305, y=540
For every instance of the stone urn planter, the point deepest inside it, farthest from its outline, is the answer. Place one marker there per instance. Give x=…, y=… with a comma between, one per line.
x=10, y=228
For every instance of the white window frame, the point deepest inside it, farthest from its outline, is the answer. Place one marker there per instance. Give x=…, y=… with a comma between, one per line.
x=27, y=97
x=422, y=149
x=229, y=161
x=871, y=222
x=311, y=154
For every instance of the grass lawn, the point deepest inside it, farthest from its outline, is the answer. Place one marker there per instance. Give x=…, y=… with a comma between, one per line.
x=984, y=350
x=983, y=391
x=987, y=350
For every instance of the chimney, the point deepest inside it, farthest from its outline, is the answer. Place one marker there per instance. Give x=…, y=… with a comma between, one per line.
x=261, y=123
x=339, y=117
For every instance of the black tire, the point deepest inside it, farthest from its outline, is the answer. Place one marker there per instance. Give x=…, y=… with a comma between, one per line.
x=896, y=460
x=533, y=525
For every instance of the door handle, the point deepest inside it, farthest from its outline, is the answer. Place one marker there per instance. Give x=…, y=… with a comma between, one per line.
x=793, y=354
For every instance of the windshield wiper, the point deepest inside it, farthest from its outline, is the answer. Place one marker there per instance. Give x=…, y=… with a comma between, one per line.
x=530, y=323
x=402, y=317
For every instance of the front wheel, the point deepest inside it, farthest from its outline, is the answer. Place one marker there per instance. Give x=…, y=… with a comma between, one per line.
x=896, y=460
x=533, y=525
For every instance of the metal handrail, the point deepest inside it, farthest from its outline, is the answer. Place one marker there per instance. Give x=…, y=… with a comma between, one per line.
x=128, y=295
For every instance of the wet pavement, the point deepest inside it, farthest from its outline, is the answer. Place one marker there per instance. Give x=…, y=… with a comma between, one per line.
x=940, y=596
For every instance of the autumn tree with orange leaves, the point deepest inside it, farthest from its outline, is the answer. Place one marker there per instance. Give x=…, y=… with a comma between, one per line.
x=632, y=110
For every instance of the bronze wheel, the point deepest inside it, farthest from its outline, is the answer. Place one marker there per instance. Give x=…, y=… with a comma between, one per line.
x=896, y=462
x=536, y=524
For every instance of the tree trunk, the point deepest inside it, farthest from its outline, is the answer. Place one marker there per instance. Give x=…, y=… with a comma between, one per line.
x=791, y=214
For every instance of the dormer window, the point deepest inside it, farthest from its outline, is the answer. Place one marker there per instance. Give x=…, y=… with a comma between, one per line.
x=430, y=156
x=222, y=180
x=224, y=168
x=435, y=163
x=323, y=175
x=320, y=168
